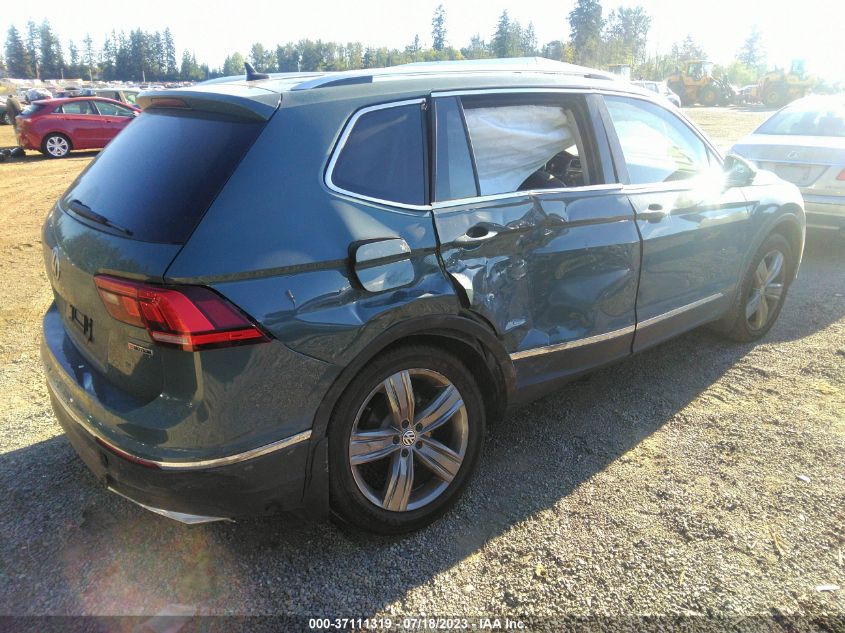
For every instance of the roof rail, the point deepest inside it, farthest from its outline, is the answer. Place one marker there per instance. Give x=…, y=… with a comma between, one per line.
x=515, y=64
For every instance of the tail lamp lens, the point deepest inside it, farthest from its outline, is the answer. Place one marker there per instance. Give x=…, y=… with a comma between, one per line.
x=841, y=175
x=190, y=318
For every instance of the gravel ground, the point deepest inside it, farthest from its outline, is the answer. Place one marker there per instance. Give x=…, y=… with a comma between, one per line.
x=700, y=477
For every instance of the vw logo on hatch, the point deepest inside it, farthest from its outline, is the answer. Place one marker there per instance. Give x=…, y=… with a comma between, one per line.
x=793, y=154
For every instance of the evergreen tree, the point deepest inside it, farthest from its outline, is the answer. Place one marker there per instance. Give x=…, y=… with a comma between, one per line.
x=171, y=70
x=438, y=29
x=89, y=58
x=529, y=41
x=18, y=63
x=477, y=49
x=73, y=59
x=52, y=57
x=33, y=39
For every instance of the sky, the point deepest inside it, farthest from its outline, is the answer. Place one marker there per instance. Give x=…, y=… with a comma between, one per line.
x=809, y=29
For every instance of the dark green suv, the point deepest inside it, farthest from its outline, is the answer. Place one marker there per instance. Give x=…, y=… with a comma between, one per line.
x=310, y=292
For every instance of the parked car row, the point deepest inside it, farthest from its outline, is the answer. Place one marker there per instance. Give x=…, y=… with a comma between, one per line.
x=315, y=291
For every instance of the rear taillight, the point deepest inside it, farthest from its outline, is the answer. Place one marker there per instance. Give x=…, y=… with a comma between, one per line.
x=841, y=175
x=190, y=318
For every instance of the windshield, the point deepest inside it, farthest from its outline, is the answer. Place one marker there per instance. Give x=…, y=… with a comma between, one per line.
x=808, y=120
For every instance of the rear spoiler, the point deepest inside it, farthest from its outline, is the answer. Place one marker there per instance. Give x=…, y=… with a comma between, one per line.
x=245, y=102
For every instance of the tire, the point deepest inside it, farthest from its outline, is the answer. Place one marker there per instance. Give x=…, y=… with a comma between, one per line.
x=366, y=480
x=738, y=324
x=6, y=119
x=56, y=146
x=775, y=97
x=709, y=96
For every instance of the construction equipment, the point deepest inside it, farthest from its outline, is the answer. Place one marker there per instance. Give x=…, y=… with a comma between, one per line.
x=696, y=84
x=777, y=88
x=623, y=70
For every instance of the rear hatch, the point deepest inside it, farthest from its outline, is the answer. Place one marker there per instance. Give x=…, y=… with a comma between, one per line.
x=801, y=160
x=128, y=215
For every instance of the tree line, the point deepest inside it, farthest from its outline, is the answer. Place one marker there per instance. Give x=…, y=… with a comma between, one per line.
x=595, y=39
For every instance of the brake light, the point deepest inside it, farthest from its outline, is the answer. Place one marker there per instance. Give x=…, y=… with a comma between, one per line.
x=190, y=318
x=167, y=102
x=841, y=175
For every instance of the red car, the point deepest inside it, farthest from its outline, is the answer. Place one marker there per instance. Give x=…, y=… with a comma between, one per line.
x=54, y=127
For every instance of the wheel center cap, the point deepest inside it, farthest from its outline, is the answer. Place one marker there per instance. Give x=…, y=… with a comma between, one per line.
x=409, y=437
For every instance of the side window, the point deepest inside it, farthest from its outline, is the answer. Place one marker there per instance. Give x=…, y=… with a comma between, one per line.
x=112, y=109
x=521, y=145
x=77, y=107
x=657, y=146
x=454, y=172
x=384, y=156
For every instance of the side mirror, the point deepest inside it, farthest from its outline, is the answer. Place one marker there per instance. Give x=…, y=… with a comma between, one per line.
x=738, y=171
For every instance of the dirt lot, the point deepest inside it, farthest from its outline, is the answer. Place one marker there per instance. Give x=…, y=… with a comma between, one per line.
x=668, y=484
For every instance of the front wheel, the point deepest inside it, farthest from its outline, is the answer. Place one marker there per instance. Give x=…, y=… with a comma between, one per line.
x=762, y=291
x=404, y=440
x=55, y=146
x=709, y=96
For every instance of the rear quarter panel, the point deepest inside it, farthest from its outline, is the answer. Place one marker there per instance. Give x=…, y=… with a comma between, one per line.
x=277, y=242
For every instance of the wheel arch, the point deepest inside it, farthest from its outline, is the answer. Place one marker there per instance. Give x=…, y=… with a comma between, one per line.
x=59, y=133
x=462, y=335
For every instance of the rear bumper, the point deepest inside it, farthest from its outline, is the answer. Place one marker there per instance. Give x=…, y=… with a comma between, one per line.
x=269, y=484
x=824, y=212
x=270, y=478
x=26, y=139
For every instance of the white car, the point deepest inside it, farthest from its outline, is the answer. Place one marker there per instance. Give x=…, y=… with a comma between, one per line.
x=804, y=143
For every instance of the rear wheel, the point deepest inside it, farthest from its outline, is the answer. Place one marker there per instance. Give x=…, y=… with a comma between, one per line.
x=55, y=146
x=6, y=120
x=709, y=96
x=404, y=440
x=775, y=97
x=762, y=291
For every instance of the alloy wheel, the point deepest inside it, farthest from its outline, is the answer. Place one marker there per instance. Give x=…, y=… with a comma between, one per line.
x=766, y=290
x=408, y=440
x=57, y=146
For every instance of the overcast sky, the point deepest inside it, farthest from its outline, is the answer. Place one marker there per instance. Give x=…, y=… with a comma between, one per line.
x=809, y=29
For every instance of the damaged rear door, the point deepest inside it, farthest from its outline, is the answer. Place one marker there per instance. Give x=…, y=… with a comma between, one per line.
x=539, y=241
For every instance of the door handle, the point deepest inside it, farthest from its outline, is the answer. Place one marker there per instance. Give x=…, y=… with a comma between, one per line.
x=654, y=214
x=476, y=234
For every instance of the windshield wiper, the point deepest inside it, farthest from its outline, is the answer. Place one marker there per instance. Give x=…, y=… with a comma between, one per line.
x=86, y=212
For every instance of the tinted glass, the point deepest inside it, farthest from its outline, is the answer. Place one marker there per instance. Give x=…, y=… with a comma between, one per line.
x=454, y=177
x=384, y=157
x=77, y=107
x=160, y=174
x=812, y=119
x=658, y=146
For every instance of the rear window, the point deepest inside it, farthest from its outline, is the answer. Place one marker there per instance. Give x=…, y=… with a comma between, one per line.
x=818, y=120
x=161, y=173
x=384, y=156
x=32, y=108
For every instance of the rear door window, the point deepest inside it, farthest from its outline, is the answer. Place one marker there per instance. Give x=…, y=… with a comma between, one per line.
x=528, y=143
x=77, y=107
x=112, y=109
x=382, y=156
x=161, y=173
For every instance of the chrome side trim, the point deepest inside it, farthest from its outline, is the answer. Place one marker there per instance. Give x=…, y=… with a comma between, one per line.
x=182, y=517
x=347, y=131
x=673, y=313
x=191, y=465
x=559, y=347
x=458, y=202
